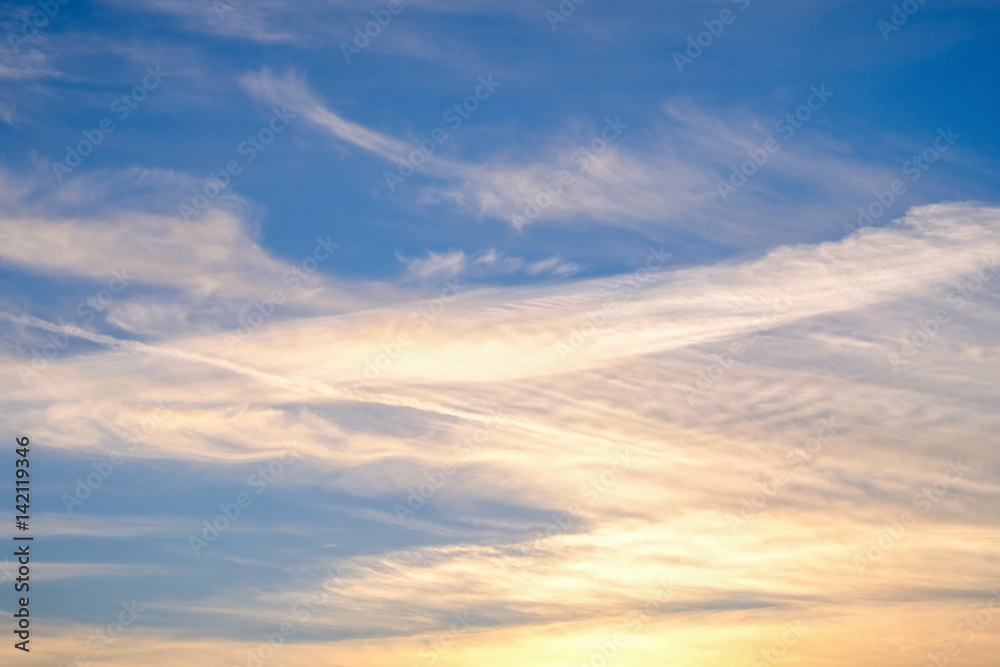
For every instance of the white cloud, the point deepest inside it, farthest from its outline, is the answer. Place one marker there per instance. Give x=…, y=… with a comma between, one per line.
x=554, y=266
x=486, y=264
x=153, y=271
x=435, y=266
x=671, y=181
x=823, y=353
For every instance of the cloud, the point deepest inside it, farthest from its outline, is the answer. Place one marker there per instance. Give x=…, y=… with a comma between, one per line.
x=56, y=571
x=661, y=337
x=554, y=266
x=611, y=184
x=498, y=461
x=313, y=22
x=183, y=257
x=149, y=270
x=260, y=23
x=436, y=265
x=483, y=265
x=521, y=530
x=595, y=171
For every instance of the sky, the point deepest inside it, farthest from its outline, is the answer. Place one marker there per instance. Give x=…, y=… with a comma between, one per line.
x=426, y=332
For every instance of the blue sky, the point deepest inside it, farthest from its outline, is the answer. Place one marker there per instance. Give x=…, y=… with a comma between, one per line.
x=644, y=305
x=557, y=86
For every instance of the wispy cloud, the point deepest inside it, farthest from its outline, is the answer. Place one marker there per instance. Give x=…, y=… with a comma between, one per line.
x=605, y=375
x=594, y=172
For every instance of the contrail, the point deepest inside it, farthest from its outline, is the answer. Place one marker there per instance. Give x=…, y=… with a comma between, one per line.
x=309, y=387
